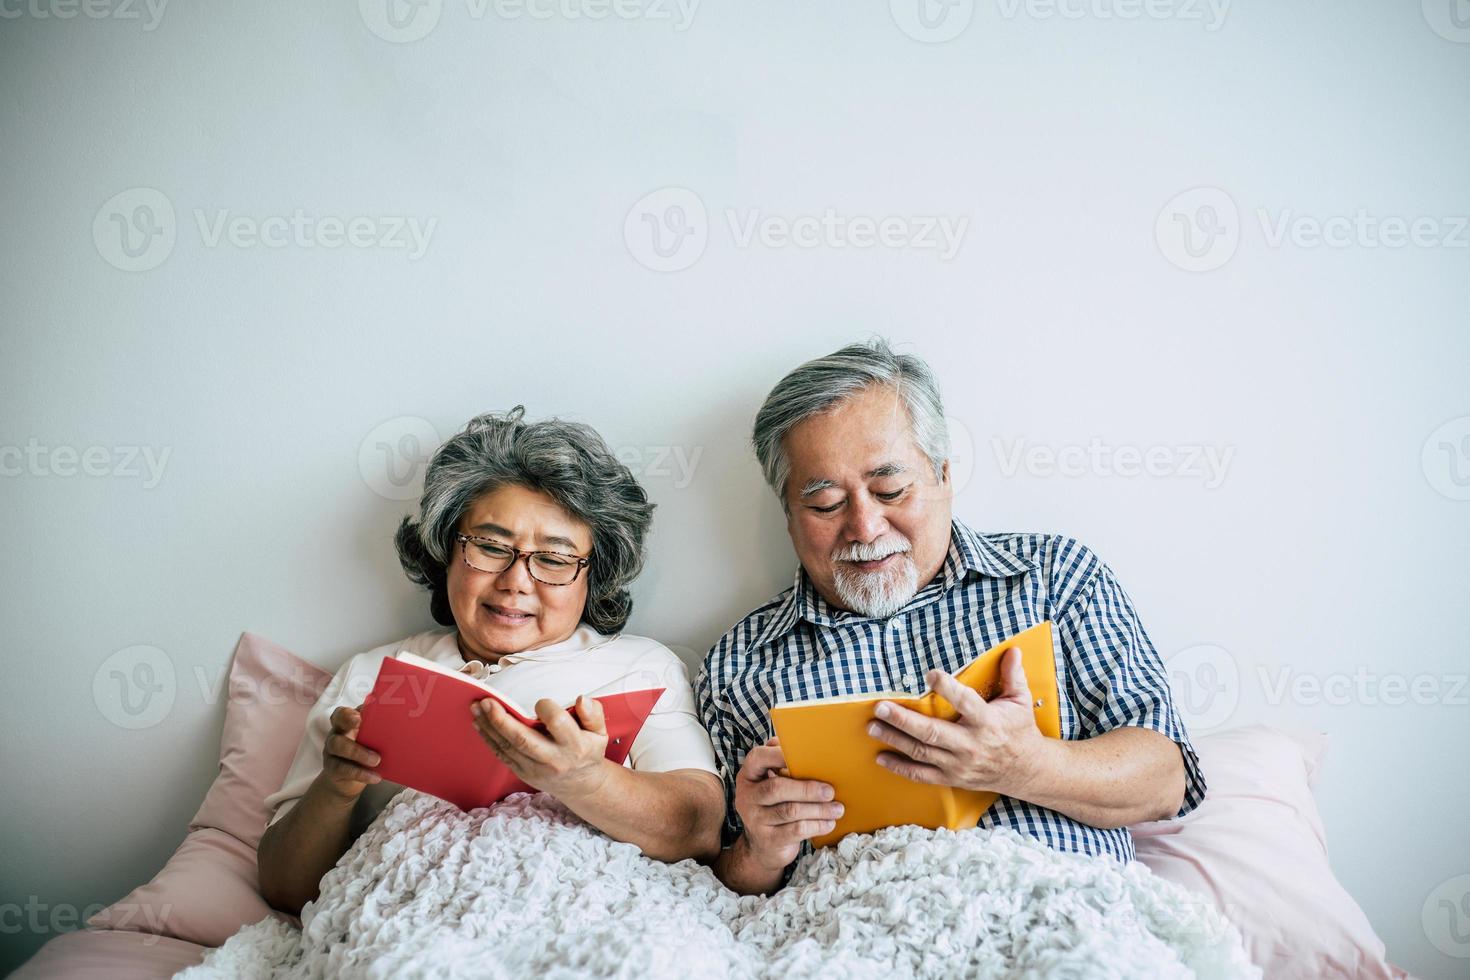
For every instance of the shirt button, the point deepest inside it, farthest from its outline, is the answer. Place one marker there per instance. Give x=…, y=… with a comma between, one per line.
x=908, y=681
x=493, y=668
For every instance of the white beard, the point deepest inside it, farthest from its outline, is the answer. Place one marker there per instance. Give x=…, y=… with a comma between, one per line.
x=877, y=594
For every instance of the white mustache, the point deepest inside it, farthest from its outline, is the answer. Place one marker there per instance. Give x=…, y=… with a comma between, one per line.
x=872, y=552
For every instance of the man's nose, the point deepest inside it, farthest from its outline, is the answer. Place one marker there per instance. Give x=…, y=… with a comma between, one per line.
x=865, y=520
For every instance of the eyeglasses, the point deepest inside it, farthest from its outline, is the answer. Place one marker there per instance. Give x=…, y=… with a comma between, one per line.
x=546, y=567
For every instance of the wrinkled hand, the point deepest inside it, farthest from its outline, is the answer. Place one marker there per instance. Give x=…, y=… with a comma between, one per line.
x=993, y=745
x=347, y=768
x=568, y=761
x=779, y=812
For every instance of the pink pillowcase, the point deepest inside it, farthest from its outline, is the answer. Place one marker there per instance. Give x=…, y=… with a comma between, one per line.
x=1255, y=846
x=271, y=692
x=209, y=888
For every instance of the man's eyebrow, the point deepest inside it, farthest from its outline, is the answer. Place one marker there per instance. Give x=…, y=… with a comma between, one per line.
x=816, y=486
x=549, y=540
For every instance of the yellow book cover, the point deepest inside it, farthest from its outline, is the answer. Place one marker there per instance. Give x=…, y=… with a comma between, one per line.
x=827, y=739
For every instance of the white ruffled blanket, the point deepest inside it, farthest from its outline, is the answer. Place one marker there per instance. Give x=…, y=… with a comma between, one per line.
x=525, y=889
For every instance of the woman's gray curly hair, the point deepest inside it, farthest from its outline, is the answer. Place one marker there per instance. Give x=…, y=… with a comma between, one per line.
x=569, y=462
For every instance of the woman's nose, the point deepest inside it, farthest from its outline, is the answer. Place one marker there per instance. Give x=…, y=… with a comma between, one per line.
x=516, y=578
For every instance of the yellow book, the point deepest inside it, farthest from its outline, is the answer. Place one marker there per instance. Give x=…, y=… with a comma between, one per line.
x=827, y=739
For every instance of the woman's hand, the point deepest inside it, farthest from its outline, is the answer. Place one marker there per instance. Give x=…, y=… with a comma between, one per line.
x=347, y=768
x=569, y=761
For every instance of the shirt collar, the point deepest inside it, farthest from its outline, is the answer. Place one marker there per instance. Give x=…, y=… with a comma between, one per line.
x=968, y=552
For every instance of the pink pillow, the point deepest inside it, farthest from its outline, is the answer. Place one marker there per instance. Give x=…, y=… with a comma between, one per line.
x=203, y=895
x=209, y=889
x=271, y=692
x=1256, y=848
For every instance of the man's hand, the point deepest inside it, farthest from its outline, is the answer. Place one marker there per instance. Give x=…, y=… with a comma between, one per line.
x=992, y=745
x=568, y=761
x=779, y=812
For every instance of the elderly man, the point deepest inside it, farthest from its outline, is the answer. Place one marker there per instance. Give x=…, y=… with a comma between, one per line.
x=893, y=593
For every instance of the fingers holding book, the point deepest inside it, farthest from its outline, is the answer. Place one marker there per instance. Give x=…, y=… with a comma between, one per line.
x=347, y=767
x=780, y=812
x=566, y=762
x=989, y=745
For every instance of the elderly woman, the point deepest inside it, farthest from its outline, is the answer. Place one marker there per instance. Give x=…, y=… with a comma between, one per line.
x=527, y=537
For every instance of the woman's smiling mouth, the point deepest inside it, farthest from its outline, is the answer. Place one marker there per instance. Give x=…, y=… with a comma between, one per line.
x=507, y=617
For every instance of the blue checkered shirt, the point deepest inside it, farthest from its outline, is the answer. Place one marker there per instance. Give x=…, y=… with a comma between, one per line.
x=992, y=586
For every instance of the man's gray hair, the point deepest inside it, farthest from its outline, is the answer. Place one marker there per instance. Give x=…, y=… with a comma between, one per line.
x=823, y=384
x=569, y=462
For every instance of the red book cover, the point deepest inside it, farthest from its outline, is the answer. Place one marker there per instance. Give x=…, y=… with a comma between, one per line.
x=417, y=718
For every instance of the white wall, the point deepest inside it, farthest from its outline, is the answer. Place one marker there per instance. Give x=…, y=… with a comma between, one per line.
x=1334, y=542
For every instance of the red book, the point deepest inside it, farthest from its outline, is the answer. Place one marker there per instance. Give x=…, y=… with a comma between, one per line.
x=417, y=718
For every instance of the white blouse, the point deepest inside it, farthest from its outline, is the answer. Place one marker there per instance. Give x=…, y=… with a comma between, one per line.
x=587, y=662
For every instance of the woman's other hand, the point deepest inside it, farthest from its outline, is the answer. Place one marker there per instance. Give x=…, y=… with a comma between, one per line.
x=569, y=761
x=347, y=768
